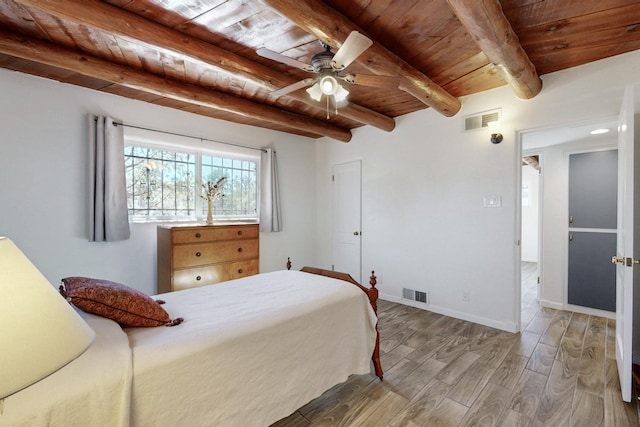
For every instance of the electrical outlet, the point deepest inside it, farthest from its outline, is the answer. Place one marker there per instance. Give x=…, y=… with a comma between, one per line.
x=466, y=296
x=379, y=279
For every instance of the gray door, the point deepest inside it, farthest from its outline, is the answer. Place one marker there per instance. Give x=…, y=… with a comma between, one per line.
x=592, y=229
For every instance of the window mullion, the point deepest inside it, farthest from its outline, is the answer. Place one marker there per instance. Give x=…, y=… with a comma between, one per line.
x=198, y=202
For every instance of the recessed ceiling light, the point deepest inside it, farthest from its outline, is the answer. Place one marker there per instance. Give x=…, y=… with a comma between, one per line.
x=599, y=131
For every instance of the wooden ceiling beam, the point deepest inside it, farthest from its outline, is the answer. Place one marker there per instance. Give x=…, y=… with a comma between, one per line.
x=46, y=53
x=485, y=21
x=331, y=27
x=94, y=13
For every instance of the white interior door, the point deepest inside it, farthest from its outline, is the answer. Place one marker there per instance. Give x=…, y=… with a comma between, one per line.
x=625, y=243
x=346, y=218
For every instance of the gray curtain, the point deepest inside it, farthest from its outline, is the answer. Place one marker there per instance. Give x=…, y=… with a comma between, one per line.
x=269, y=192
x=108, y=216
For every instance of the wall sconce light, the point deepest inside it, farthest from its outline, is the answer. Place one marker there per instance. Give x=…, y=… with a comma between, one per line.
x=496, y=138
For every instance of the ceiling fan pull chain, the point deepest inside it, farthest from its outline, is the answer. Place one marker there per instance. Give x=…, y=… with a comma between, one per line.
x=327, y=96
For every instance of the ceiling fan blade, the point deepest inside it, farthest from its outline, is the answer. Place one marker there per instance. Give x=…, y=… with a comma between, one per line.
x=383, y=82
x=275, y=56
x=292, y=87
x=352, y=47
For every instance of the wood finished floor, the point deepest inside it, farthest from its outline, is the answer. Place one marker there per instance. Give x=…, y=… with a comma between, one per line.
x=439, y=371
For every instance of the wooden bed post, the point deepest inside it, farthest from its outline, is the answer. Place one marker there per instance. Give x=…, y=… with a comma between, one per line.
x=373, y=299
x=372, y=294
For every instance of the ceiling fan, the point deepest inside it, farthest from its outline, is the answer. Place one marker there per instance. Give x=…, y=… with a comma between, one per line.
x=330, y=68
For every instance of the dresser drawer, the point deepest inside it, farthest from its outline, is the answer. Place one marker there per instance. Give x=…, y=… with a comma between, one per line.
x=201, y=276
x=196, y=254
x=208, y=234
x=240, y=269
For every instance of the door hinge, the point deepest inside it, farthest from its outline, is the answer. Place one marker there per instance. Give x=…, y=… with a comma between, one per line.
x=333, y=267
x=538, y=280
x=333, y=178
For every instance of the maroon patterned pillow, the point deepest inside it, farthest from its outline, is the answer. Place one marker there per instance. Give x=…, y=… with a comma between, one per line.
x=115, y=301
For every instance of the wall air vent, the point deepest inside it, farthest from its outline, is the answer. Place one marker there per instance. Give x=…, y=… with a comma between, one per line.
x=418, y=296
x=421, y=296
x=482, y=120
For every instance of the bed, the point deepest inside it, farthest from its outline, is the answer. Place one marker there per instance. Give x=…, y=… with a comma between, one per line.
x=250, y=352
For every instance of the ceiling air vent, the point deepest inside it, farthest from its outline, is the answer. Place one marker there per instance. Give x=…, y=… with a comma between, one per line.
x=481, y=120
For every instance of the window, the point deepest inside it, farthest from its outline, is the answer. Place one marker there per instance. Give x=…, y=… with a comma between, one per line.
x=240, y=190
x=160, y=184
x=163, y=184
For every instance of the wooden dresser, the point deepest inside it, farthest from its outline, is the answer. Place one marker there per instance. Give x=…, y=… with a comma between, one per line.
x=198, y=255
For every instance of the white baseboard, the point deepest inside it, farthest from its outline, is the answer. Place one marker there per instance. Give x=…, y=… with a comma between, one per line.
x=578, y=309
x=591, y=311
x=551, y=304
x=504, y=326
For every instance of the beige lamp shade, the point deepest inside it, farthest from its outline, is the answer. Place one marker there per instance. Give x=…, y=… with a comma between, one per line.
x=39, y=331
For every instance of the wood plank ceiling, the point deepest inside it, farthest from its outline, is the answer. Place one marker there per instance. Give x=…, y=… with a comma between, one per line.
x=200, y=55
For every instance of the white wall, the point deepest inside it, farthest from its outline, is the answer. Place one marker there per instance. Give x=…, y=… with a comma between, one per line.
x=529, y=248
x=43, y=181
x=424, y=225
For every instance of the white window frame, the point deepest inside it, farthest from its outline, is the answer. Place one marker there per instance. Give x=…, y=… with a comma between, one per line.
x=169, y=142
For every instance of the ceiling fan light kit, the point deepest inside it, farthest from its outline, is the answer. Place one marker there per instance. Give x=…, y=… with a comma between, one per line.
x=328, y=86
x=329, y=66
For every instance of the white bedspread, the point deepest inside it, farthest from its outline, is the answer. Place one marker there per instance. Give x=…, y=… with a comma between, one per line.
x=250, y=351
x=93, y=390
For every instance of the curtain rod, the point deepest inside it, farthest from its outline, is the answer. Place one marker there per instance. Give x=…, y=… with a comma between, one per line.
x=187, y=136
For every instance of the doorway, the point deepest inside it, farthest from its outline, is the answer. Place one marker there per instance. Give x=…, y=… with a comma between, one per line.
x=554, y=145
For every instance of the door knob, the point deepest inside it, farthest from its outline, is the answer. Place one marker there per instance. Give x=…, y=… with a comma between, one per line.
x=355, y=233
x=617, y=260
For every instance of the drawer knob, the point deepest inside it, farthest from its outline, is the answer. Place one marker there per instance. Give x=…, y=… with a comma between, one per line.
x=239, y=232
x=198, y=235
x=198, y=254
x=239, y=249
x=240, y=271
x=198, y=278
